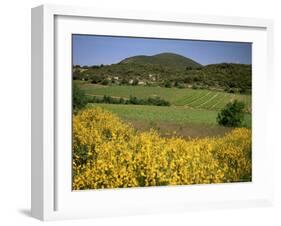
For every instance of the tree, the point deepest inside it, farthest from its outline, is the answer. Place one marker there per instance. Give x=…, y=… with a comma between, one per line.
x=135, y=82
x=168, y=84
x=96, y=79
x=105, y=82
x=232, y=114
x=124, y=81
x=79, y=98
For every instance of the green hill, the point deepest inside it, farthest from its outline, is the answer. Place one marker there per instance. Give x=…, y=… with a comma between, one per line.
x=166, y=59
x=169, y=70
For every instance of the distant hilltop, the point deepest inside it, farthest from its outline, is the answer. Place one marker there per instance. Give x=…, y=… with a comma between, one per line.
x=171, y=60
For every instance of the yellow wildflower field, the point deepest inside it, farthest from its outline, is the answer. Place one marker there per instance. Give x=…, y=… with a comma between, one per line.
x=109, y=153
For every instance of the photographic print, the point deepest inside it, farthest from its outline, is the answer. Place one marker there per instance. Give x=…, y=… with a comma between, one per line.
x=160, y=112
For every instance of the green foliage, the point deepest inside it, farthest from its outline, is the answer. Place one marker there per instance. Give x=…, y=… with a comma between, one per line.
x=105, y=82
x=168, y=84
x=79, y=98
x=232, y=114
x=230, y=77
x=169, y=59
x=176, y=96
x=124, y=81
x=156, y=101
x=135, y=82
x=174, y=115
x=96, y=79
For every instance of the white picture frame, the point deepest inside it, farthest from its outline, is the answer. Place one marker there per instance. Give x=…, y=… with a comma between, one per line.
x=52, y=197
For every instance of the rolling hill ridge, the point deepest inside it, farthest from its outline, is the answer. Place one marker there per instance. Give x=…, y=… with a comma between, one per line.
x=169, y=70
x=166, y=59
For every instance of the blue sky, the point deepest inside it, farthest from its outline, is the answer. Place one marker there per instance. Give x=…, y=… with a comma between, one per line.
x=96, y=50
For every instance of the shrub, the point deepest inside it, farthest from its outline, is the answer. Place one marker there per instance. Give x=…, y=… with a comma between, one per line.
x=105, y=82
x=157, y=101
x=232, y=114
x=180, y=86
x=168, y=84
x=95, y=79
x=135, y=82
x=79, y=98
x=124, y=81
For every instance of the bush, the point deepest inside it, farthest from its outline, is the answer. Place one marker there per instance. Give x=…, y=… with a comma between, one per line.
x=105, y=82
x=232, y=114
x=96, y=79
x=179, y=85
x=135, y=82
x=79, y=98
x=125, y=81
x=156, y=101
x=168, y=84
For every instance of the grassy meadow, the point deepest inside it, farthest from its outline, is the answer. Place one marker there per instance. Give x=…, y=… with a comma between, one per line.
x=192, y=112
x=199, y=99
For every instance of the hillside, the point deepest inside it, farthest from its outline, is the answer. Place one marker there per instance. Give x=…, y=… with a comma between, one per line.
x=169, y=70
x=166, y=59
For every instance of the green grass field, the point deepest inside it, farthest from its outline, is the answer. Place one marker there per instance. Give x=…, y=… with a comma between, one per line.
x=172, y=114
x=197, y=99
x=192, y=112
